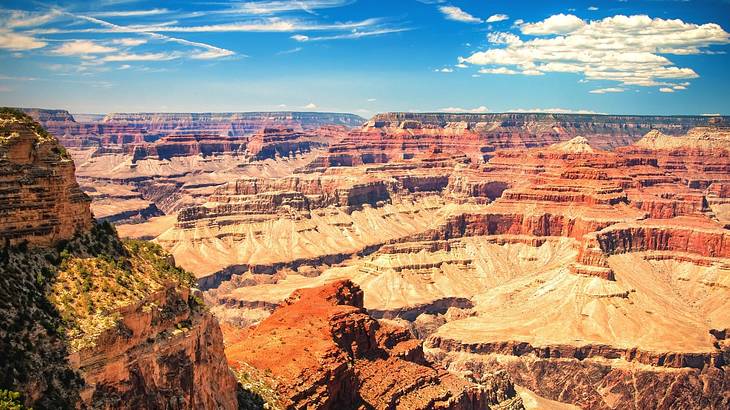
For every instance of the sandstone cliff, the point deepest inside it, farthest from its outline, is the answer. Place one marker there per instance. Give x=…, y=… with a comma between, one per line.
x=135, y=128
x=40, y=201
x=89, y=321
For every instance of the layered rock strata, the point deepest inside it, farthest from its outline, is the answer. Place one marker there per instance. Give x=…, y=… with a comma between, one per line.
x=324, y=351
x=89, y=321
x=566, y=259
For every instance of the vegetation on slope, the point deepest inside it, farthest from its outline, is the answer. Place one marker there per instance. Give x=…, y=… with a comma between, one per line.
x=53, y=301
x=89, y=291
x=255, y=389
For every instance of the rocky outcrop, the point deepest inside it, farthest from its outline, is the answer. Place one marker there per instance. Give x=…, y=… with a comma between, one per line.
x=185, y=145
x=166, y=351
x=324, y=351
x=257, y=197
x=282, y=142
x=89, y=321
x=40, y=201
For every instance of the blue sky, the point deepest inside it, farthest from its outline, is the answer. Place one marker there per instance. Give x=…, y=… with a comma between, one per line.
x=625, y=57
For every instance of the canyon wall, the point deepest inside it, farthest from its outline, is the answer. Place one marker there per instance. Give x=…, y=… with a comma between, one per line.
x=40, y=201
x=89, y=321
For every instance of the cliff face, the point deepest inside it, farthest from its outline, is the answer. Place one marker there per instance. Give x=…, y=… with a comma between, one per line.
x=592, y=277
x=324, y=351
x=136, y=128
x=88, y=321
x=483, y=133
x=40, y=201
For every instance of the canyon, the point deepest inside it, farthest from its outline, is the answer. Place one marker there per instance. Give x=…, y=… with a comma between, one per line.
x=413, y=260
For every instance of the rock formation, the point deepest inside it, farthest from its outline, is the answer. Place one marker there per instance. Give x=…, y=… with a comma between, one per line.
x=40, y=201
x=324, y=351
x=594, y=267
x=89, y=321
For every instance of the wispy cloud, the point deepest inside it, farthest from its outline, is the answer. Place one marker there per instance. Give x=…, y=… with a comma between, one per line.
x=290, y=51
x=456, y=14
x=129, y=42
x=19, y=42
x=497, y=18
x=277, y=6
x=607, y=90
x=142, y=57
x=131, y=13
x=355, y=34
x=79, y=47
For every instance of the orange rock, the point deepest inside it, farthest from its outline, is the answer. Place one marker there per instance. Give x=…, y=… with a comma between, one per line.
x=326, y=352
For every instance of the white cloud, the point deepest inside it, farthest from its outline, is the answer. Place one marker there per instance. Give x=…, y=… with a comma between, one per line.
x=124, y=67
x=19, y=42
x=290, y=51
x=629, y=50
x=131, y=13
x=372, y=99
x=299, y=37
x=532, y=71
x=129, y=42
x=503, y=38
x=281, y=6
x=607, y=90
x=444, y=70
x=355, y=34
x=666, y=90
x=310, y=106
x=456, y=14
x=80, y=47
x=267, y=25
x=497, y=17
x=712, y=115
x=498, y=70
x=461, y=65
x=142, y=57
x=212, y=53
x=592, y=8
x=18, y=18
x=476, y=110
x=557, y=24
x=679, y=87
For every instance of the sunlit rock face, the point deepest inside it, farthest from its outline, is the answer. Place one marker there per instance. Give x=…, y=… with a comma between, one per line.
x=571, y=259
x=88, y=320
x=323, y=350
x=591, y=277
x=40, y=201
